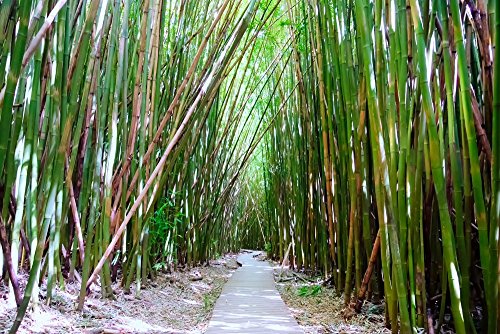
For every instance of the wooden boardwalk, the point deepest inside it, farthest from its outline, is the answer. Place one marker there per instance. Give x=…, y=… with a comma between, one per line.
x=250, y=303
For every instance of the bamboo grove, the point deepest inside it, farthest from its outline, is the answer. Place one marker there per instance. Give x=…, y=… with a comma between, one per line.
x=383, y=168
x=354, y=138
x=120, y=138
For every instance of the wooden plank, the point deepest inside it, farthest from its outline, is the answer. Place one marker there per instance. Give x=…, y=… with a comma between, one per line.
x=250, y=303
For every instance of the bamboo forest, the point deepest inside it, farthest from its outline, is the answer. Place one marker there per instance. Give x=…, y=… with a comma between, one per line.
x=354, y=142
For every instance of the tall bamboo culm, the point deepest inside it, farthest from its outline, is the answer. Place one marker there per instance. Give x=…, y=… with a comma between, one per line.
x=358, y=140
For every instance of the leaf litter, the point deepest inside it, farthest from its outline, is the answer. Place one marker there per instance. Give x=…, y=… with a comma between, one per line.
x=320, y=310
x=170, y=303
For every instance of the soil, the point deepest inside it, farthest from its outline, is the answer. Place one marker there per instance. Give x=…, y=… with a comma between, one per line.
x=320, y=309
x=180, y=302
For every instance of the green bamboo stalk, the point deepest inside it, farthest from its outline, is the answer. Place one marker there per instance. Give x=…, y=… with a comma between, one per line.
x=456, y=171
x=438, y=177
x=495, y=203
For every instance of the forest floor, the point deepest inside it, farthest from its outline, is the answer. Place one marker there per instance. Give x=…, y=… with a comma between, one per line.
x=180, y=302
x=320, y=310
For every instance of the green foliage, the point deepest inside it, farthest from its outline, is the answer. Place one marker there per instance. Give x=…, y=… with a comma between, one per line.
x=309, y=290
x=208, y=301
x=163, y=231
x=159, y=266
x=284, y=23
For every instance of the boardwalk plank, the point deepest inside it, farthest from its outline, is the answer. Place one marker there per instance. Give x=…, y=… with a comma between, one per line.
x=250, y=303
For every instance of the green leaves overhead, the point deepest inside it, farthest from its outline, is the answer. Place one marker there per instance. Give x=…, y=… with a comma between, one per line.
x=356, y=139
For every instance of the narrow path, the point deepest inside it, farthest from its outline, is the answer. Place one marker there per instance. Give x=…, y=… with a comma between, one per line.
x=250, y=303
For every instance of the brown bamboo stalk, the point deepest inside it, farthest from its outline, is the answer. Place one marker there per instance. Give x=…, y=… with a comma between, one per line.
x=10, y=266
x=149, y=183
x=368, y=274
x=76, y=219
x=173, y=104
